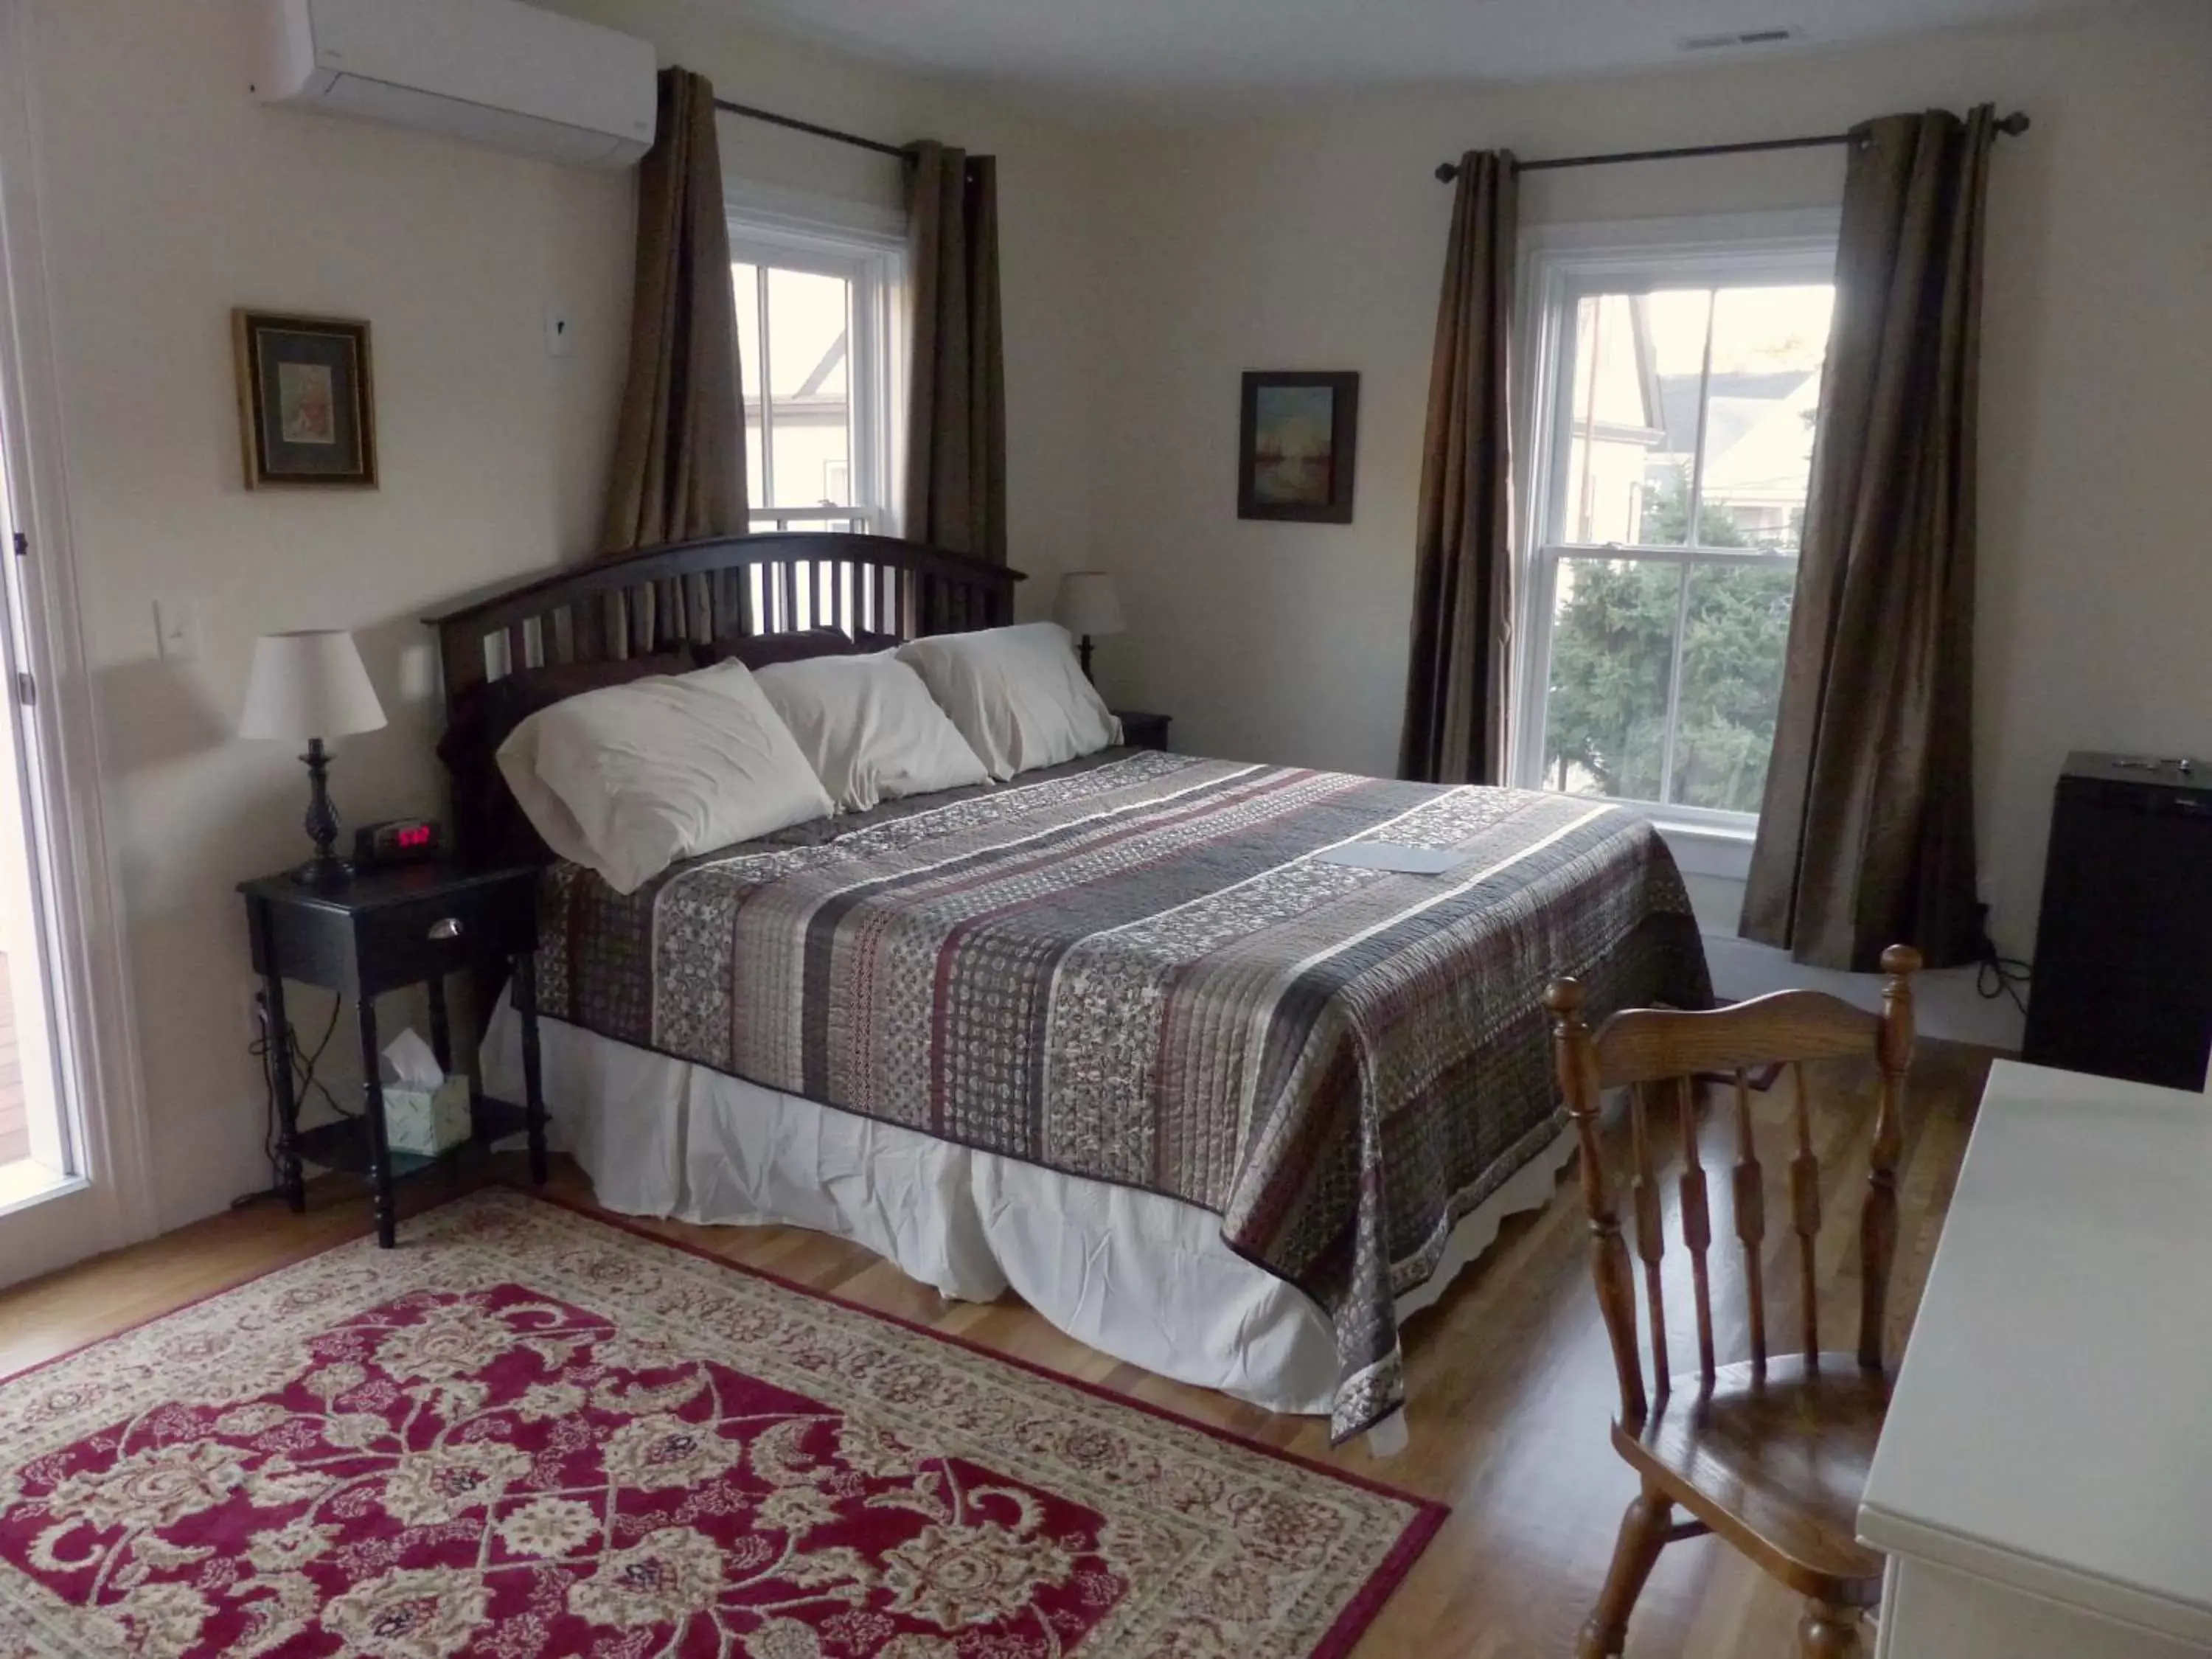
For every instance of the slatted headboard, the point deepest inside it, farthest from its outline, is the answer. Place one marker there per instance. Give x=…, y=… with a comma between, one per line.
x=697, y=591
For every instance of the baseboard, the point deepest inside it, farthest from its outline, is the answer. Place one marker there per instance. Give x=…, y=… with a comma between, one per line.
x=1945, y=1004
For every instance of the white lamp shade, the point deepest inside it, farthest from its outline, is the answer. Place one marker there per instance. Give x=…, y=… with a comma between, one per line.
x=309, y=684
x=1088, y=604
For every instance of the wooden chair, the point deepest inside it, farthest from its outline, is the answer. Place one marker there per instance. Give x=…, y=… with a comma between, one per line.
x=1770, y=1454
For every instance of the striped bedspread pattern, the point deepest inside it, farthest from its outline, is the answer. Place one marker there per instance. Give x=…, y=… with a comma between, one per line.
x=1137, y=970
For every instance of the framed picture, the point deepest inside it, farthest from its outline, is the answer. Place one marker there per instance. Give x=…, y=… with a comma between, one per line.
x=1300, y=438
x=307, y=404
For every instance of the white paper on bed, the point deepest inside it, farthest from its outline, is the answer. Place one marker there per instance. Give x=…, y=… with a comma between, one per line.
x=1392, y=855
x=629, y=780
x=1017, y=694
x=869, y=728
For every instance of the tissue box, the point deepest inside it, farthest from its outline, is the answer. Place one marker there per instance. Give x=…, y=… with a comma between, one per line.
x=426, y=1122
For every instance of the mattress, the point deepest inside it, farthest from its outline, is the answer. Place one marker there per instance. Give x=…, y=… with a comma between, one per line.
x=1198, y=979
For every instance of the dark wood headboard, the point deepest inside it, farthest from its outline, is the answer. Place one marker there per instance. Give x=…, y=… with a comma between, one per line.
x=658, y=597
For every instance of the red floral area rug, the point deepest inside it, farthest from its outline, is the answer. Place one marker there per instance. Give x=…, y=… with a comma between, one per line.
x=527, y=1433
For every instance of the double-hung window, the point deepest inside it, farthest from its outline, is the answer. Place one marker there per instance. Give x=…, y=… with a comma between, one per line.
x=816, y=341
x=1674, y=386
x=821, y=351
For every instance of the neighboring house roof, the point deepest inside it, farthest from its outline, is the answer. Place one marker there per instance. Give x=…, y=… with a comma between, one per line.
x=1737, y=397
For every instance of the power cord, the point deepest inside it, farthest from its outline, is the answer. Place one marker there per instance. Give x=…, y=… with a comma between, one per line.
x=305, y=1082
x=1997, y=975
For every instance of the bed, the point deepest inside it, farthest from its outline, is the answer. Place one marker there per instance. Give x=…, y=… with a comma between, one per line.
x=1161, y=1042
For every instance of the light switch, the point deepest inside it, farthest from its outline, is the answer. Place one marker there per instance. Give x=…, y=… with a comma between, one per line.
x=177, y=630
x=559, y=332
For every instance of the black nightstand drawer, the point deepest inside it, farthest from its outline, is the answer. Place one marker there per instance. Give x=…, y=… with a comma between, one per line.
x=400, y=944
x=389, y=928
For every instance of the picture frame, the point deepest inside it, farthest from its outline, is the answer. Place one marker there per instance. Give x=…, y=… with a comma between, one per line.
x=306, y=401
x=1298, y=446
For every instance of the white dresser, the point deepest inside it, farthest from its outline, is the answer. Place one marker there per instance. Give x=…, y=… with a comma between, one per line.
x=2044, y=1484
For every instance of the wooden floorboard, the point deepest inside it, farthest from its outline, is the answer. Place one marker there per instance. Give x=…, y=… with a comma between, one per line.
x=1511, y=1383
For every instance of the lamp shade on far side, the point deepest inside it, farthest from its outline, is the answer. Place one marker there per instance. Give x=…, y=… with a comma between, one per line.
x=308, y=684
x=1088, y=604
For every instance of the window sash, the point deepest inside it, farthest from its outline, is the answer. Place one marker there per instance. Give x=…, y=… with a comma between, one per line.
x=1750, y=251
x=1545, y=582
x=873, y=268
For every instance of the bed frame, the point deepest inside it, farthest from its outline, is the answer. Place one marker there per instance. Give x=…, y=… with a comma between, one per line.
x=633, y=604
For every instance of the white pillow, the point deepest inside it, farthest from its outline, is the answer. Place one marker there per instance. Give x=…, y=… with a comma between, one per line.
x=628, y=780
x=1016, y=694
x=868, y=728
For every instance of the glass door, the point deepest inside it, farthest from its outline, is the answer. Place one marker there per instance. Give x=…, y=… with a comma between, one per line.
x=74, y=1170
x=37, y=1148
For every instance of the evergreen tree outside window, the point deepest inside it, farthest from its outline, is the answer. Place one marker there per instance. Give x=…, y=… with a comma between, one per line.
x=1681, y=401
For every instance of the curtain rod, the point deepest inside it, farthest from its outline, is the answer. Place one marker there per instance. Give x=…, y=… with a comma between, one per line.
x=2012, y=124
x=904, y=153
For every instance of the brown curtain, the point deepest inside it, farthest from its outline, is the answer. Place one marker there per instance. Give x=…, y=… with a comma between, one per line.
x=956, y=481
x=1457, y=677
x=1866, y=837
x=679, y=471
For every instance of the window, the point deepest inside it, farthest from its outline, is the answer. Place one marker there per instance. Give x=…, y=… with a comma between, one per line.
x=815, y=338
x=1674, y=392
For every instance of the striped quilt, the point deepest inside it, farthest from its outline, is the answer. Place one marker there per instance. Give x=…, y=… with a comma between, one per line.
x=1137, y=969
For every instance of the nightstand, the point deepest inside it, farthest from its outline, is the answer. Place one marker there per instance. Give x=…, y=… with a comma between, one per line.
x=1143, y=731
x=381, y=931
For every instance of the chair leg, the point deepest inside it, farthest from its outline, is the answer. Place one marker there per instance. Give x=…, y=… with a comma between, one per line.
x=1643, y=1535
x=1828, y=1632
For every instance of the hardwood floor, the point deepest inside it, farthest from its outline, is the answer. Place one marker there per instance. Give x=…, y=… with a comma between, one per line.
x=1511, y=1382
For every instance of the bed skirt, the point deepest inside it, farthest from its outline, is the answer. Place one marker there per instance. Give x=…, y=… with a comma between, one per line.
x=1142, y=1277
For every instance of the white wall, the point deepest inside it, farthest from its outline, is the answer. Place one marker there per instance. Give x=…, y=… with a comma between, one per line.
x=169, y=196
x=1314, y=239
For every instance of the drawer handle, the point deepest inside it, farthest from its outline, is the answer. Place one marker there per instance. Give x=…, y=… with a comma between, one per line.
x=446, y=928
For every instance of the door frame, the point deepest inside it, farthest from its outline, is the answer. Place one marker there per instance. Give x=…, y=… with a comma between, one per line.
x=95, y=1046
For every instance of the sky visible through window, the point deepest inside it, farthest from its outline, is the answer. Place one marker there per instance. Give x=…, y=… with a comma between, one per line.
x=798, y=440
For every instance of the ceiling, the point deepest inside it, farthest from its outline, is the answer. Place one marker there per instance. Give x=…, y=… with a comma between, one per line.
x=1111, y=50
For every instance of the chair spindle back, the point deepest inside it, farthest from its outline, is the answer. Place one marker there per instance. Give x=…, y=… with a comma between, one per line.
x=1659, y=1056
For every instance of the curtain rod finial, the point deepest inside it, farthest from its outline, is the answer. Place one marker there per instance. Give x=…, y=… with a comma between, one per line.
x=1447, y=172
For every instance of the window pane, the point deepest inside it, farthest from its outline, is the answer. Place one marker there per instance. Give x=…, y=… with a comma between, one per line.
x=806, y=326
x=1613, y=648
x=746, y=279
x=1632, y=378
x=1768, y=347
x=1674, y=369
x=1612, y=420
x=809, y=378
x=1737, y=629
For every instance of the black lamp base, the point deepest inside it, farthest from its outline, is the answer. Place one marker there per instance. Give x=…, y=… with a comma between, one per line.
x=327, y=869
x=323, y=872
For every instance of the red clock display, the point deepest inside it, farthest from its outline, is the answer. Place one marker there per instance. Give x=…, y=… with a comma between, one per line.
x=398, y=841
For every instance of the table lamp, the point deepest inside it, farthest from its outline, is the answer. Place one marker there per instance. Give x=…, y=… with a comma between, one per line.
x=312, y=685
x=1088, y=606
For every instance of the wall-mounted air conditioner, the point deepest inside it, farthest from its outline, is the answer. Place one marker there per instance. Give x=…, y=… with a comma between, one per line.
x=493, y=72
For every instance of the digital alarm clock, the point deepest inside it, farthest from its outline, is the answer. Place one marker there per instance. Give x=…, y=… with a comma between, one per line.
x=398, y=841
